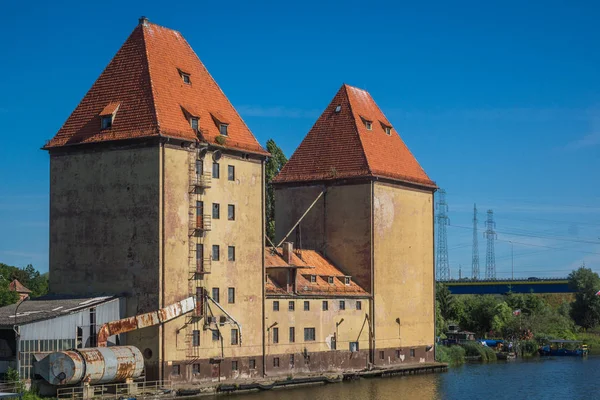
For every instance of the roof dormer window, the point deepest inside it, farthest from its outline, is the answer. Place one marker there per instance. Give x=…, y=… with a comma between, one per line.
x=330, y=279
x=313, y=278
x=368, y=125
x=388, y=130
x=194, y=123
x=106, y=122
x=223, y=129
x=347, y=280
x=185, y=77
x=338, y=109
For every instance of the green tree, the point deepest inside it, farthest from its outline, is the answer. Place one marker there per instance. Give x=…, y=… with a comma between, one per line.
x=274, y=164
x=585, y=310
x=444, y=300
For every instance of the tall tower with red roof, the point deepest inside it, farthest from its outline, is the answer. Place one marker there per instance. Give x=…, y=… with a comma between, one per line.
x=156, y=194
x=374, y=219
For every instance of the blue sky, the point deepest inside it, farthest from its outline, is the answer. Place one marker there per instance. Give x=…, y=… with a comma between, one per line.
x=499, y=102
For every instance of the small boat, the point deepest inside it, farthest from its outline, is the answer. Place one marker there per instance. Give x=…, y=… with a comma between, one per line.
x=564, y=348
x=503, y=355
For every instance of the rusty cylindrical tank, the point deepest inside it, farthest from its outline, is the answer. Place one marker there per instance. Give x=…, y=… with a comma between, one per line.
x=93, y=365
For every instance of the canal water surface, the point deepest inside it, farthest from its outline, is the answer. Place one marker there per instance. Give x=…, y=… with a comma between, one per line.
x=548, y=378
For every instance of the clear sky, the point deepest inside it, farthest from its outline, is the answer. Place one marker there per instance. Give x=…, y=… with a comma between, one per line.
x=500, y=102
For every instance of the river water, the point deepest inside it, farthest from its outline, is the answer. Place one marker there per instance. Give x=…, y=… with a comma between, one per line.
x=540, y=378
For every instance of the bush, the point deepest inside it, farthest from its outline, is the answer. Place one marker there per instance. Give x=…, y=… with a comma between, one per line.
x=529, y=348
x=476, y=349
x=453, y=355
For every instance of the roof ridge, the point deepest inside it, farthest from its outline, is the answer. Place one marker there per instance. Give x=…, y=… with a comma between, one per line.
x=147, y=61
x=362, y=145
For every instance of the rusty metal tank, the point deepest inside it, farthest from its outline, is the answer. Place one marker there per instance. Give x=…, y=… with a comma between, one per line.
x=93, y=365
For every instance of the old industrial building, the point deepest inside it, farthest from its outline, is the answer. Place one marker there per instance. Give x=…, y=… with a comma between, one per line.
x=157, y=193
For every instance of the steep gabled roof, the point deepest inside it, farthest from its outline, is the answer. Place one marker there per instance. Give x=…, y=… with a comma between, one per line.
x=339, y=145
x=18, y=287
x=145, y=79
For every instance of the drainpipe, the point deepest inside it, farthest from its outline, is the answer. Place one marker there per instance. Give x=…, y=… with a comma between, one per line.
x=262, y=282
x=162, y=272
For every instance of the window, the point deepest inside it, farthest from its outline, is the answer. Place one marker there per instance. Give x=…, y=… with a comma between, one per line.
x=106, y=122
x=230, y=173
x=309, y=334
x=230, y=253
x=275, y=305
x=216, y=211
x=325, y=305
x=234, y=365
x=234, y=336
x=313, y=278
x=231, y=212
x=387, y=130
x=195, y=338
x=252, y=363
x=333, y=343
x=231, y=295
x=368, y=125
x=353, y=346
x=223, y=129
x=215, y=294
x=215, y=174
x=93, y=337
x=358, y=305
x=176, y=370
x=215, y=252
x=199, y=257
x=342, y=305
x=382, y=355
x=199, y=167
x=292, y=360
x=185, y=77
x=276, y=362
x=215, y=335
x=412, y=352
x=291, y=306
x=307, y=306
x=347, y=280
x=196, y=369
x=330, y=279
x=194, y=123
x=292, y=334
x=338, y=108
x=397, y=354
x=275, y=335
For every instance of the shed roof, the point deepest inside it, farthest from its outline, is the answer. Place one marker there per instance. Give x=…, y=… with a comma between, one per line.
x=46, y=307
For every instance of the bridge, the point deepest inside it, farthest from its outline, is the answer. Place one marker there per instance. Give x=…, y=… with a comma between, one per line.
x=503, y=286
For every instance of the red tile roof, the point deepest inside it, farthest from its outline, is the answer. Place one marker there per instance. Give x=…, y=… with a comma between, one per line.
x=145, y=78
x=18, y=287
x=340, y=146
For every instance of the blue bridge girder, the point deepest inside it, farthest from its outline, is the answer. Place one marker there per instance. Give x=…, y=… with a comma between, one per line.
x=504, y=286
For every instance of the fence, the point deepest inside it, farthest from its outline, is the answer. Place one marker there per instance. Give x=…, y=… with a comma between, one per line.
x=144, y=389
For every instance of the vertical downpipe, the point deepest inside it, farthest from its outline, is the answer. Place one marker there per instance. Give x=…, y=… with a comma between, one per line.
x=372, y=227
x=161, y=330
x=433, y=263
x=262, y=278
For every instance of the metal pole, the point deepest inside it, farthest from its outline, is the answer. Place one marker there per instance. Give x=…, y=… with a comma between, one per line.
x=512, y=262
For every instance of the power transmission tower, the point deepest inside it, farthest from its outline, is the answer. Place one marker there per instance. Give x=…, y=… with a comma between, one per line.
x=490, y=255
x=475, y=264
x=442, y=267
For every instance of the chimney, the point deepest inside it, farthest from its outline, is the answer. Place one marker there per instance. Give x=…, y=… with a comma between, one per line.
x=143, y=20
x=288, y=249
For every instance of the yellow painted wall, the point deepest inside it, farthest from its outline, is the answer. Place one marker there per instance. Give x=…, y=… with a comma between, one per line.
x=403, y=263
x=245, y=233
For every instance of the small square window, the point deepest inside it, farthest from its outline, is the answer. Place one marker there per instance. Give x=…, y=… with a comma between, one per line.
x=234, y=365
x=215, y=252
x=313, y=278
x=275, y=305
x=196, y=338
x=216, y=211
x=325, y=305
x=196, y=369
x=291, y=306
x=230, y=253
x=358, y=305
x=194, y=123
x=231, y=212
x=338, y=108
x=347, y=280
x=106, y=122
x=215, y=171
x=223, y=129
x=276, y=362
x=368, y=125
x=186, y=78
x=231, y=173
x=215, y=335
x=330, y=279
x=412, y=352
x=307, y=306
x=231, y=295
x=234, y=336
x=215, y=294
x=252, y=363
x=342, y=305
x=176, y=370
x=353, y=346
x=309, y=334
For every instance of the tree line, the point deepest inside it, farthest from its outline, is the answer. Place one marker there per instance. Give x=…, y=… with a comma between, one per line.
x=28, y=276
